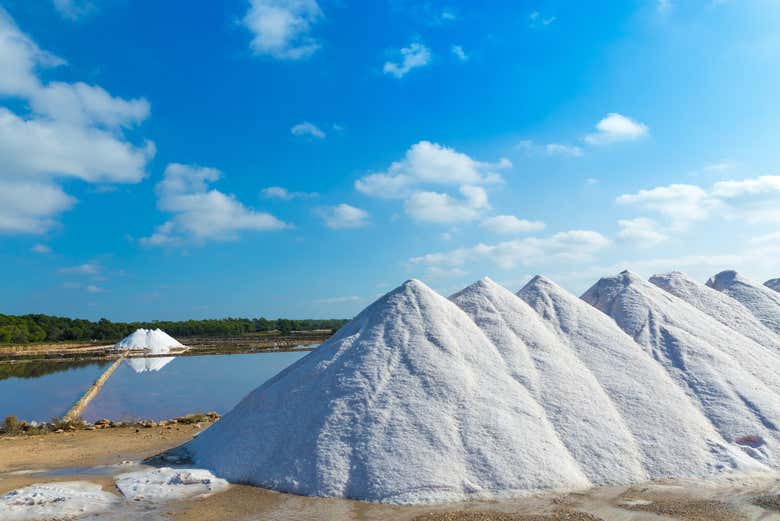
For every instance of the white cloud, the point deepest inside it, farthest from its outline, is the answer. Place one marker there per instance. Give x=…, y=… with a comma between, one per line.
x=614, y=128
x=201, y=213
x=509, y=225
x=763, y=185
x=551, y=149
x=279, y=192
x=29, y=207
x=282, y=28
x=343, y=216
x=41, y=248
x=307, y=129
x=88, y=268
x=91, y=288
x=556, y=149
x=412, y=57
x=680, y=203
x=755, y=200
x=337, y=300
x=74, y=9
x=441, y=208
x=664, y=6
x=641, y=231
x=570, y=246
x=74, y=130
x=429, y=163
x=537, y=19
x=459, y=53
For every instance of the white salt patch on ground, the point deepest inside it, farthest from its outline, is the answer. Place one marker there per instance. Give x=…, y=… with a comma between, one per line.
x=773, y=284
x=719, y=306
x=408, y=403
x=65, y=500
x=155, y=341
x=163, y=484
x=153, y=364
x=763, y=302
x=731, y=379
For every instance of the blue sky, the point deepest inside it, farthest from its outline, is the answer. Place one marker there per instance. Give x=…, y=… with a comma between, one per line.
x=297, y=158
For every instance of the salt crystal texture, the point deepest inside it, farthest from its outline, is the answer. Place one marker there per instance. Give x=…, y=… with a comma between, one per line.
x=424, y=399
x=672, y=436
x=63, y=500
x=408, y=403
x=719, y=306
x=155, y=341
x=731, y=379
x=763, y=302
x=163, y=484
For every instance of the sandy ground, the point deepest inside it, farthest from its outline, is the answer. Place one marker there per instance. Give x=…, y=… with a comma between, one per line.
x=97, y=455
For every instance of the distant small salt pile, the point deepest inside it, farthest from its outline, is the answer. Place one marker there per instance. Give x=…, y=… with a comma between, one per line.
x=773, y=284
x=760, y=300
x=155, y=341
x=424, y=399
x=719, y=306
x=730, y=378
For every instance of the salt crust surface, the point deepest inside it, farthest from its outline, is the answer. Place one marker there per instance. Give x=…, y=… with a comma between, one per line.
x=63, y=500
x=164, y=484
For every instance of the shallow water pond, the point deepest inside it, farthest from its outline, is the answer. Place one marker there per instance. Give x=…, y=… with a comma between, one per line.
x=141, y=388
x=41, y=390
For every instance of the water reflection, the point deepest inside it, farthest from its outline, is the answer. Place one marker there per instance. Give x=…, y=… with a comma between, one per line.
x=146, y=365
x=154, y=388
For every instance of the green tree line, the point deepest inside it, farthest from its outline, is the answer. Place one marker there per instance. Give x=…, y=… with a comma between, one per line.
x=22, y=329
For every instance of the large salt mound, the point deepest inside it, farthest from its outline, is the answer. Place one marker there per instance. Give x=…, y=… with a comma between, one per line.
x=672, y=435
x=581, y=413
x=760, y=300
x=408, y=403
x=730, y=378
x=773, y=284
x=156, y=341
x=719, y=306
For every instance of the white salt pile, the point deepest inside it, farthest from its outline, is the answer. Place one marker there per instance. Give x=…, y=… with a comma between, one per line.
x=719, y=306
x=155, y=341
x=730, y=378
x=760, y=300
x=670, y=436
x=165, y=484
x=408, y=403
x=152, y=364
x=424, y=399
x=773, y=284
x=64, y=500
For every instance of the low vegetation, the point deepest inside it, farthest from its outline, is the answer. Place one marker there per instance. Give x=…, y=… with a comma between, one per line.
x=22, y=329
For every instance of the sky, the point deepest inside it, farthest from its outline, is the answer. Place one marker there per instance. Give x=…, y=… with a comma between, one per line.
x=298, y=158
